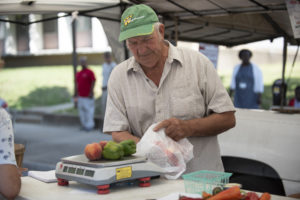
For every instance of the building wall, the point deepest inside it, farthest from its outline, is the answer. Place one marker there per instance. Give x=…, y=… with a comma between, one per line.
x=41, y=54
x=48, y=60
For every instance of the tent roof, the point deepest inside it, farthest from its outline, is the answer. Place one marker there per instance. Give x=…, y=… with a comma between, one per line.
x=223, y=22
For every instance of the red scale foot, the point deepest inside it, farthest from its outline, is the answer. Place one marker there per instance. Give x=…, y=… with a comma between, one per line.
x=62, y=182
x=103, y=189
x=145, y=182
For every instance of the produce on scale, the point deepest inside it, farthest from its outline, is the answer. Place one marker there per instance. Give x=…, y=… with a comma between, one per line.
x=129, y=147
x=113, y=151
x=103, y=143
x=93, y=151
x=233, y=193
x=109, y=150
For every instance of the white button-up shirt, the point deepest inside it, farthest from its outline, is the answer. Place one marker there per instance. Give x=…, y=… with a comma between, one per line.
x=189, y=88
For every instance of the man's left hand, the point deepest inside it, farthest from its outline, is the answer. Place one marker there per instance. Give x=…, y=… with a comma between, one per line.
x=174, y=128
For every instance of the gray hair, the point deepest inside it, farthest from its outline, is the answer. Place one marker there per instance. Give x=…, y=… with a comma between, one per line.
x=156, y=28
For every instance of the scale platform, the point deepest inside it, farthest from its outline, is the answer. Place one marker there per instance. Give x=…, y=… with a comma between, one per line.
x=102, y=173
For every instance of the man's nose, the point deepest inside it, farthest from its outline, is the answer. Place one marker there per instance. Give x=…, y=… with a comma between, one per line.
x=142, y=49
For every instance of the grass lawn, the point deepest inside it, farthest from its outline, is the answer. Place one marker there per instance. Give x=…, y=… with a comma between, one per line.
x=41, y=86
x=50, y=85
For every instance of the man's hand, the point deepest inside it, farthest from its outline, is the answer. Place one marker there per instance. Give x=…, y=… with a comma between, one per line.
x=120, y=136
x=174, y=128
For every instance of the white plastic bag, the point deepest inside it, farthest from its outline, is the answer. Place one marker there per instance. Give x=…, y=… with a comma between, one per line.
x=163, y=151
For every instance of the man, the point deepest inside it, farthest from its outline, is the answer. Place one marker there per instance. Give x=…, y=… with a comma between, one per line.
x=107, y=68
x=246, y=83
x=85, y=80
x=161, y=83
x=10, y=182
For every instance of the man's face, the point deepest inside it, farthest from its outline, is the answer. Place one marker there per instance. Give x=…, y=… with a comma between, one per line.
x=147, y=50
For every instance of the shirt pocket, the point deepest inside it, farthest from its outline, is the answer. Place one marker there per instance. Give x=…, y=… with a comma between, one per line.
x=186, y=103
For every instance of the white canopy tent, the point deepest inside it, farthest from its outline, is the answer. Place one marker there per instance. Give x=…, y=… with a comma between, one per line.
x=221, y=22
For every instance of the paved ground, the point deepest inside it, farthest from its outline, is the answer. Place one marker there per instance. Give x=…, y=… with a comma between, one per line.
x=46, y=144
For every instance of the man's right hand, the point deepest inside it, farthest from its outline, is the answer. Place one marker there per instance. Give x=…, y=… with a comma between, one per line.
x=174, y=128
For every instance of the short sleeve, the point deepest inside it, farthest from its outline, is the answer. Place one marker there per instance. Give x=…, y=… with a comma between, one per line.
x=259, y=81
x=93, y=76
x=115, y=114
x=234, y=72
x=7, y=154
x=216, y=97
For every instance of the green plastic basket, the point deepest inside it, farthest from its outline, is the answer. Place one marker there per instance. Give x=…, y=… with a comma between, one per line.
x=204, y=180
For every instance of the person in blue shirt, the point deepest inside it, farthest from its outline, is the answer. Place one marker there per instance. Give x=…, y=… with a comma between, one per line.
x=107, y=68
x=246, y=83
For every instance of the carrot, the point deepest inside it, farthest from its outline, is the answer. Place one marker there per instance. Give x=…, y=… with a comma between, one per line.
x=232, y=193
x=205, y=195
x=265, y=196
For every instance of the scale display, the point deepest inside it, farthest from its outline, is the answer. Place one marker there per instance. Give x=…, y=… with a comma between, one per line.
x=78, y=171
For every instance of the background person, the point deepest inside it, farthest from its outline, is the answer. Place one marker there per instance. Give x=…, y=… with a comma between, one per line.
x=107, y=68
x=295, y=102
x=246, y=83
x=162, y=83
x=10, y=181
x=85, y=80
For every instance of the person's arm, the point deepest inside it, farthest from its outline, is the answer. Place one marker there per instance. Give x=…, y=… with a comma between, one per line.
x=10, y=181
x=91, y=95
x=214, y=124
x=124, y=135
x=259, y=99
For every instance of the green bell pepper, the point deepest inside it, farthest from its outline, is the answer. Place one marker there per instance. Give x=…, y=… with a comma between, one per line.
x=129, y=147
x=113, y=151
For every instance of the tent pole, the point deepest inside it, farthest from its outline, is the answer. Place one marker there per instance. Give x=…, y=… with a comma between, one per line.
x=125, y=50
x=74, y=57
x=176, y=30
x=282, y=102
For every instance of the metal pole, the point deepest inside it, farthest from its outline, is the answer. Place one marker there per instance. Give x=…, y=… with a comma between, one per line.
x=176, y=31
x=74, y=55
x=282, y=98
x=125, y=50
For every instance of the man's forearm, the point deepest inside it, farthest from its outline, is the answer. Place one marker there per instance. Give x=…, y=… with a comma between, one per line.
x=212, y=125
x=124, y=135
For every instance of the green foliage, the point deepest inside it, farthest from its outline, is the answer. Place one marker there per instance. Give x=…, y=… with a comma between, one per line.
x=44, y=96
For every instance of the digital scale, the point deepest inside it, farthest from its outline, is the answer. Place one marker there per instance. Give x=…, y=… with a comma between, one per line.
x=102, y=173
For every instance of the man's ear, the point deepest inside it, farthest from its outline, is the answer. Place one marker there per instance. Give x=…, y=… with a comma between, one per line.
x=162, y=30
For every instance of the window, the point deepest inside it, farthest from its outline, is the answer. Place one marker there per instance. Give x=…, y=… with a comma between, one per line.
x=84, y=32
x=50, y=34
x=22, y=33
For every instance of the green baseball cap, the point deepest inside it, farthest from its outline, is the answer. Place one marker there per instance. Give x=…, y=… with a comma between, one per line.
x=137, y=20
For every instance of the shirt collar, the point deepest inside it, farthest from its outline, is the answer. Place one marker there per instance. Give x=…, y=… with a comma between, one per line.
x=173, y=54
